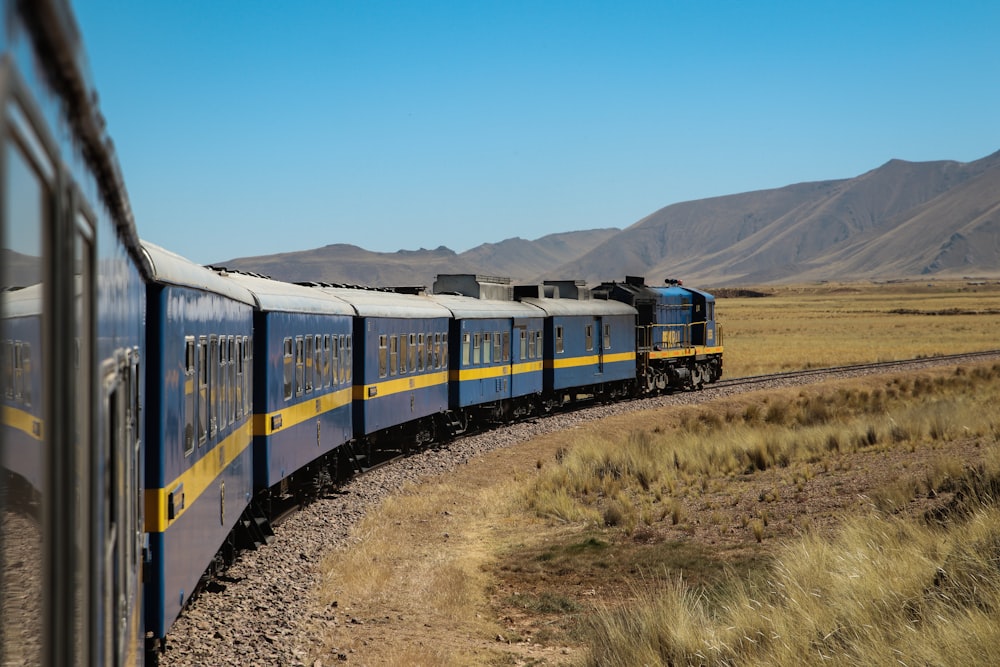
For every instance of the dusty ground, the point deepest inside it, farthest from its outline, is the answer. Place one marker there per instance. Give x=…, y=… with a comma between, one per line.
x=544, y=579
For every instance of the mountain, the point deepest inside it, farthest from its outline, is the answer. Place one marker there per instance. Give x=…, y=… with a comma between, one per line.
x=515, y=258
x=903, y=219
x=900, y=220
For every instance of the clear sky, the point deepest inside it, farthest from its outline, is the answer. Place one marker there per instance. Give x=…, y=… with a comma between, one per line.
x=249, y=127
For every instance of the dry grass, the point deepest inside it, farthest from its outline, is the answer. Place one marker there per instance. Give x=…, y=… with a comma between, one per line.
x=830, y=325
x=885, y=591
x=773, y=528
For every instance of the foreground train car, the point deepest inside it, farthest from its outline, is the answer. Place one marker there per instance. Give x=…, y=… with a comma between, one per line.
x=71, y=332
x=199, y=427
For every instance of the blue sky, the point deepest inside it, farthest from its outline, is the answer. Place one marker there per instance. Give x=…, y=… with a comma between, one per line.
x=248, y=127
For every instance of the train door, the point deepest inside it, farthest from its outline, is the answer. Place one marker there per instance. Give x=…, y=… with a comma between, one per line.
x=117, y=508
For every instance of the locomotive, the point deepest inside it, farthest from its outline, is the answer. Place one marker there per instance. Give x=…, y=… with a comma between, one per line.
x=156, y=413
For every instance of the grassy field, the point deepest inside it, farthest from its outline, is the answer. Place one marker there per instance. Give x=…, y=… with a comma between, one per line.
x=845, y=523
x=818, y=326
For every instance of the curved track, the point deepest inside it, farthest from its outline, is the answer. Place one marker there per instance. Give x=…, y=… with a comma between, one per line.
x=878, y=365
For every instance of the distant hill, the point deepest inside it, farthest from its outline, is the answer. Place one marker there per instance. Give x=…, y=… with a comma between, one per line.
x=900, y=220
x=515, y=258
x=903, y=219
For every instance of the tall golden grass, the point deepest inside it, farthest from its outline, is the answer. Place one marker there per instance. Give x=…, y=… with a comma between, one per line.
x=622, y=480
x=884, y=591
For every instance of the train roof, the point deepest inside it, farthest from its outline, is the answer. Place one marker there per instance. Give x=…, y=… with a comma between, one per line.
x=21, y=302
x=171, y=269
x=380, y=303
x=467, y=307
x=570, y=307
x=278, y=296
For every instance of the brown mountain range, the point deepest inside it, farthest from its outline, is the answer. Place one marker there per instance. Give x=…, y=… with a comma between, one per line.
x=900, y=220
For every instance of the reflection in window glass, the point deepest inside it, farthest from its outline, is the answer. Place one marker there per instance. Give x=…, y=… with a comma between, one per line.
x=382, y=356
x=393, y=354
x=289, y=366
x=23, y=198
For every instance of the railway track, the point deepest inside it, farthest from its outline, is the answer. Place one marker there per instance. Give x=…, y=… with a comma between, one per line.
x=873, y=366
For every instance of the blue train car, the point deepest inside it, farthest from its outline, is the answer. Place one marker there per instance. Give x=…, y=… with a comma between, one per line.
x=71, y=318
x=589, y=343
x=496, y=347
x=303, y=374
x=401, y=365
x=21, y=364
x=199, y=427
x=679, y=342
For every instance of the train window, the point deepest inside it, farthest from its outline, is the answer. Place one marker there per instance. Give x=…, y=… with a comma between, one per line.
x=289, y=366
x=328, y=365
x=403, y=354
x=309, y=366
x=413, y=352
x=539, y=345
x=588, y=334
x=466, y=349
x=341, y=344
x=477, y=346
x=486, y=347
x=189, y=389
x=559, y=340
x=238, y=383
x=347, y=359
x=497, y=347
x=607, y=336
x=506, y=346
x=300, y=365
x=319, y=374
x=393, y=355
x=202, y=407
x=26, y=369
x=420, y=352
x=522, y=335
x=710, y=311
x=223, y=385
x=335, y=361
x=8, y=369
x=444, y=350
x=213, y=385
x=18, y=372
x=233, y=395
x=382, y=356
x=247, y=375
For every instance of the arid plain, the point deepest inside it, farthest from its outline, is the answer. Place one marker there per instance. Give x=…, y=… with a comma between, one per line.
x=843, y=521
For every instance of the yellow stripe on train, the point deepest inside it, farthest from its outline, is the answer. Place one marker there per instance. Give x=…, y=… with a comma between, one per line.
x=165, y=506
x=589, y=360
x=390, y=387
x=295, y=414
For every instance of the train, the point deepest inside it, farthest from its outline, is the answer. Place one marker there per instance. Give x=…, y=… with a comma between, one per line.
x=158, y=414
